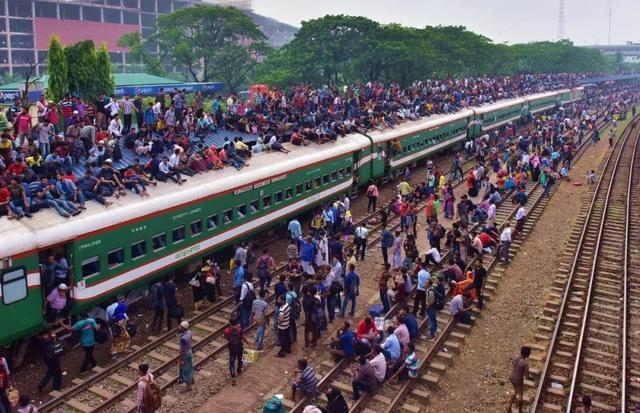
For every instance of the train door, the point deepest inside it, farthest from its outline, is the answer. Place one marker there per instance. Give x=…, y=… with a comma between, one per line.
x=357, y=156
x=55, y=267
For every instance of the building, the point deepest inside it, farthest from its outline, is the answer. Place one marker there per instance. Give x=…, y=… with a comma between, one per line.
x=630, y=51
x=27, y=25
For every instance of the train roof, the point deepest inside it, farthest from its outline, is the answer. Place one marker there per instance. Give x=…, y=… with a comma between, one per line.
x=47, y=228
x=408, y=128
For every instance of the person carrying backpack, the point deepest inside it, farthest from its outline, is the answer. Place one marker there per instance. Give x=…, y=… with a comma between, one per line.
x=149, y=397
x=247, y=295
x=235, y=345
x=264, y=269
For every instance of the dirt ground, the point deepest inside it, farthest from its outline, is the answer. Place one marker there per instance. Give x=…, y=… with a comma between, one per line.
x=479, y=379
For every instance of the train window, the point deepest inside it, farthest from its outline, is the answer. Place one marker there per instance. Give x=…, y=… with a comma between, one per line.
x=334, y=176
x=227, y=216
x=115, y=258
x=348, y=170
x=212, y=221
x=299, y=189
x=340, y=172
x=325, y=179
x=288, y=193
x=266, y=201
x=196, y=227
x=159, y=241
x=90, y=267
x=139, y=249
x=278, y=197
x=242, y=211
x=177, y=235
x=307, y=186
x=14, y=285
x=316, y=183
x=254, y=206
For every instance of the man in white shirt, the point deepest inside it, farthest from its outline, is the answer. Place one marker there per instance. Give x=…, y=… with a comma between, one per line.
x=505, y=241
x=115, y=127
x=360, y=238
x=378, y=363
x=432, y=255
x=165, y=172
x=113, y=107
x=491, y=214
x=520, y=216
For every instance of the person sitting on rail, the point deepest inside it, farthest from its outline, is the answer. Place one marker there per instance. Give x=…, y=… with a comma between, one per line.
x=307, y=382
x=367, y=333
x=343, y=345
x=410, y=366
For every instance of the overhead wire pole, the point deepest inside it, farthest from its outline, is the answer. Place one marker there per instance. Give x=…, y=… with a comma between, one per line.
x=561, y=21
x=609, y=38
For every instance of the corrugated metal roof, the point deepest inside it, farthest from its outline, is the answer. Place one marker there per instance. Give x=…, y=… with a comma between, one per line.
x=121, y=79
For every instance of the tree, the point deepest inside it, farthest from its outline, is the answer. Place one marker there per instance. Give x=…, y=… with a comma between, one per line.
x=81, y=72
x=203, y=38
x=104, y=81
x=57, y=69
x=138, y=53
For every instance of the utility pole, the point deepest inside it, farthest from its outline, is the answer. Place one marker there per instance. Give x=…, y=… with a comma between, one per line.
x=610, y=13
x=561, y=21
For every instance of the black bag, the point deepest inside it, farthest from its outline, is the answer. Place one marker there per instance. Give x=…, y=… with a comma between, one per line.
x=101, y=336
x=132, y=329
x=296, y=308
x=177, y=312
x=248, y=299
x=115, y=328
x=234, y=341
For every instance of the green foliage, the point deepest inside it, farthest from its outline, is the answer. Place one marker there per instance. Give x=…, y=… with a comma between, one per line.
x=334, y=50
x=57, y=69
x=104, y=80
x=81, y=72
x=210, y=43
x=80, y=69
x=138, y=54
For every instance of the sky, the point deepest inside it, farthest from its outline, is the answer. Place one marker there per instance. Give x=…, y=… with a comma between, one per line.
x=509, y=21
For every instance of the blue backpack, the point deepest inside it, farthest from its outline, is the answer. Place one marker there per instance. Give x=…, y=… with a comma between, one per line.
x=274, y=405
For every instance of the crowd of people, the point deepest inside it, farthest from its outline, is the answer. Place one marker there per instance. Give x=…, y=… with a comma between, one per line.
x=322, y=281
x=38, y=156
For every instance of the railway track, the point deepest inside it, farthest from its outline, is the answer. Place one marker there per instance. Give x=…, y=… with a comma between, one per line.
x=113, y=388
x=434, y=356
x=584, y=328
x=631, y=307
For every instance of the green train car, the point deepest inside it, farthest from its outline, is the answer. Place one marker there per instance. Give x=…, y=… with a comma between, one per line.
x=117, y=249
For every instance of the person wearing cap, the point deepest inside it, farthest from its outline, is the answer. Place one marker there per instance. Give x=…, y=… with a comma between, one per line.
x=185, y=361
x=98, y=153
x=57, y=303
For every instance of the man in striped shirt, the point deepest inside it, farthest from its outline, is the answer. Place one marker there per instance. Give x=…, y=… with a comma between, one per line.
x=307, y=382
x=127, y=110
x=284, y=316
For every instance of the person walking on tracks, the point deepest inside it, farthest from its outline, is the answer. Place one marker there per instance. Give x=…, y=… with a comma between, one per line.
x=171, y=302
x=386, y=242
x=259, y=317
x=235, y=345
x=52, y=349
x=149, y=398
x=505, y=242
x=519, y=371
x=155, y=302
x=372, y=194
x=87, y=329
x=185, y=360
x=284, y=319
x=361, y=234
